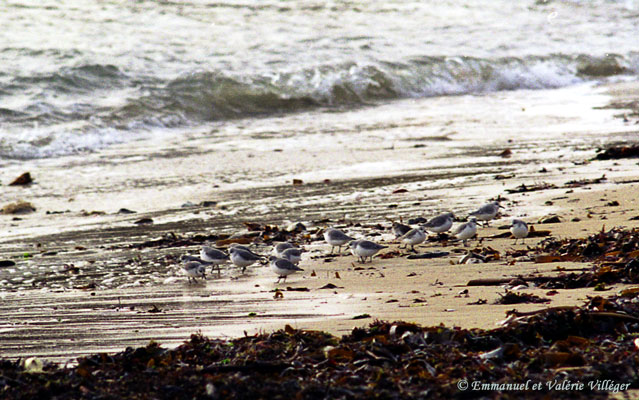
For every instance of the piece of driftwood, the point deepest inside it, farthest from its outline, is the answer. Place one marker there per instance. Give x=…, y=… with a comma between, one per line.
x=503, y=281
x=430, y=254
x=531, y=234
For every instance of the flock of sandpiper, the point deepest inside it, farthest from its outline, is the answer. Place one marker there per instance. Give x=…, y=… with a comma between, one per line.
x=286, y=256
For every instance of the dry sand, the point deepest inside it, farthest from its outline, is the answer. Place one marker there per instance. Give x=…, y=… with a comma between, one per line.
x=429, y=292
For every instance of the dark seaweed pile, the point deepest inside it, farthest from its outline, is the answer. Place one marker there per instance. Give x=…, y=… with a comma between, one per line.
x=612, y=246
x=618, y=152
x=592, y=343
x=613, y=253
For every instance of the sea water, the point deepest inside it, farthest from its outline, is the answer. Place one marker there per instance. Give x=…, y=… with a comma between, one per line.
x=77, y=76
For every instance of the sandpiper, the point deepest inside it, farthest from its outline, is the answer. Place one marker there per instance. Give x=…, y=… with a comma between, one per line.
x=293, y=254
x=365, y=249
x=279, y=248
x=413, y=237
x=440, y=223
x=213, y=256
x=466, y=231
x=336, y=238
x=486, y=212
x=245, y=248
x=519, y=229
x=194, y=270
x=282, y=267
x=400, y=229
x=186, y=258
x=243, y=258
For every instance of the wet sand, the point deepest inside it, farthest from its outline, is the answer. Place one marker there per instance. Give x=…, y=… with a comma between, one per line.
x=82, y=283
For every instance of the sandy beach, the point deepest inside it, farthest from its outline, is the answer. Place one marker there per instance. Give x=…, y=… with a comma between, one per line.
x=89, y=278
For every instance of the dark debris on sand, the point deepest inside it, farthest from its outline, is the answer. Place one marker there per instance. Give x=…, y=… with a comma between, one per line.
x=518, y=298
x=614, y=245
x=618, y=152
x=256, y=233
x=614, y=254
x=384, y=361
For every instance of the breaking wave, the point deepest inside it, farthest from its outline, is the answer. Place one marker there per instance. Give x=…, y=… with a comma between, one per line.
x=90, y=106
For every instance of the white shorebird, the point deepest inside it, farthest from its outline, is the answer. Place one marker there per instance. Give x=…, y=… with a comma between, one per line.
x=194, y=270
x=186, y=258
x=279, y=248
x=441, y=223
x=365, y=249
x=245, y=248
x=282, y=267
x=413, y=237
x=292, y=254
x=486, y=212
x=466, y=231
x=213, y=256
x=243, y=258
x=336, y=238
x=400, y=229
x=519, y=229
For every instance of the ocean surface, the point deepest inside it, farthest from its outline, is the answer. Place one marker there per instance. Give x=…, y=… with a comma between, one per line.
x=78, y=76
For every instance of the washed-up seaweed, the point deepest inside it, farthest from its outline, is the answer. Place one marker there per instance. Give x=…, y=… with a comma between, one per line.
x=614, y=254
x=584, y=182
x=618, y=152
x=523, y=188
x=442, y=238
x=175, y=240
x=518, y=298
x=256, y=233
x=398, y=360
x=613, y=245
x=537, y=280
x=22, y=180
